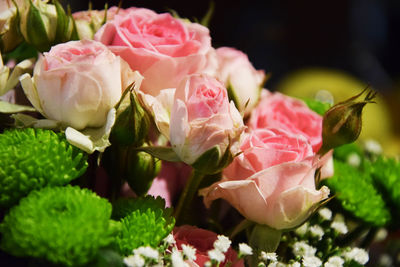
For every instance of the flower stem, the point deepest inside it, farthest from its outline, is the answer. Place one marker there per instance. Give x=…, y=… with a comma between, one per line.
x=187, y=196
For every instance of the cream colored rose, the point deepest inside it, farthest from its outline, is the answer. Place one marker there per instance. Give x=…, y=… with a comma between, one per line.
x=77, y=83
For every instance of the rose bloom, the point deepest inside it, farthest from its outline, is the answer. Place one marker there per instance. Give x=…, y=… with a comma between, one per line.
x=170, y=181
x=238, y=74
x=272, y=181
x=202, y=118
x=162, y=48
x=203, y=241
x=88, y=22
x=77, y=83
x=276, y=110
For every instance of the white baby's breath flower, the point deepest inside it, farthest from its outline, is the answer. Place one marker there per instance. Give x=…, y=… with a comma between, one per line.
x=357, y=254
x=302, y=230
x=325, y=214
x=271, y=256
x=222, y=243
x=177, y=259
x=216, y=255
x=301, y=248
x=373, y=147
x=245, y=249
x=294, y=264
x=277, y=264
x=189, y=252
x=339, y=227
x=334, y=261
x=208, y=264
x=147, y=252
x=354, y=159
x=134, y=261
x=169, y=239
x=317, y=231
x=311, y=261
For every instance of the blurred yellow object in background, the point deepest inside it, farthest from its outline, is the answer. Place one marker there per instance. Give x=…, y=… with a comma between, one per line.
x=336, y=86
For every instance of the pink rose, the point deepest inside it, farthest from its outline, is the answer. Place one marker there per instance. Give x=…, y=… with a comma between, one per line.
x=77, y=83
x=272, y=181
x=276, y=110
x=238, y=74
x=170, y=181
x=202, y=118
x=162, y=48
x=203, y=241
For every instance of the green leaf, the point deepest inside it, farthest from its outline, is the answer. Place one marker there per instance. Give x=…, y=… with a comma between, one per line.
x=317, y=106
x=161, y=152
x=358, y=195
x=6, y=107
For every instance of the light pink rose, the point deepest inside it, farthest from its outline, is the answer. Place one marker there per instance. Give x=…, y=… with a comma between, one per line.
x=162, y=48
x=203, y=118
x=170, y=181
x=272, y=181
x=276, y=110
x=238, y=74
x=77, y=83
x=203, y=241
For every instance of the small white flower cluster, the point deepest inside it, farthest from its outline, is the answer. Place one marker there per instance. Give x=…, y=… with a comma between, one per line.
x=141, y=256
x=221, y=245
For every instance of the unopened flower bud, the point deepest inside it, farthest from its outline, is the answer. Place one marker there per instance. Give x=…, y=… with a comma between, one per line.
x=342, y=123
x=132, y=124
x=43, y=25
x=9, y=35
x=142, y=168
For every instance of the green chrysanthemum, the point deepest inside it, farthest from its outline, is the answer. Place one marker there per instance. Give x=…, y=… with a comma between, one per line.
x=64, y=225
x=147, y=223
x=357, y=194
x=386, y=173
x=35, y=158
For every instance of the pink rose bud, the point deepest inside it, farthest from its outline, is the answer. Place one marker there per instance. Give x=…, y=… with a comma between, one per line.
x=276, y=110
x=162, y=48
x=77, y=83
x=204, y=127
x=342, y=123
x=243, y=82
x=272, y=181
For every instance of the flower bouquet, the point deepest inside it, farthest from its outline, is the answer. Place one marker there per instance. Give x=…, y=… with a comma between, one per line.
x=127, y=139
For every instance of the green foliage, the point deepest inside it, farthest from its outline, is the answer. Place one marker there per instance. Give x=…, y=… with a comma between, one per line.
x=358, y=195
x=145, y=222
x=64, y=225
x=35, y=158
x=317, y=106
x=386, y=174
x=344, y=152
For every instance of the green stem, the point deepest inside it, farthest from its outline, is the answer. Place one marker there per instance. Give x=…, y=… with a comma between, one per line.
x=187, y=196
x=240, y=227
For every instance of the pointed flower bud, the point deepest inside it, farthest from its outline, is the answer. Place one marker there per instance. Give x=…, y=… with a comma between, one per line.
x=342, y=122
x=43, y=25
x=132, y=124
x=9, y=35
x=141, y=170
